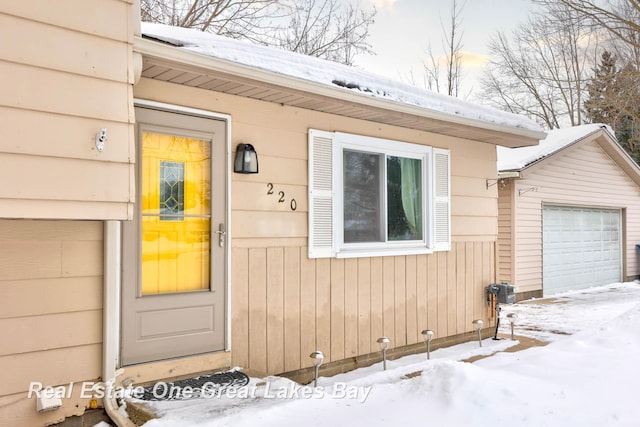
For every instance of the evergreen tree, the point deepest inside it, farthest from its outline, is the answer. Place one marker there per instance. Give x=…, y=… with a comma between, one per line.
x=598, y=106
x=614, y=99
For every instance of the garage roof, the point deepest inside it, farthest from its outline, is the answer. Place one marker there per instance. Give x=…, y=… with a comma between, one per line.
x=515, y=162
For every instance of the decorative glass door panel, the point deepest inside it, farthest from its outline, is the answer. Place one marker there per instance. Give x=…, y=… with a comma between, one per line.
x=176, y=214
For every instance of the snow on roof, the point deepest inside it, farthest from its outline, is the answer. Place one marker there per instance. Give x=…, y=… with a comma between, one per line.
x=331, y=74
x=512, y=159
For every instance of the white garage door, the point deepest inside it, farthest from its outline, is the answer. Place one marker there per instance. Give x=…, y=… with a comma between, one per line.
x=581, y=248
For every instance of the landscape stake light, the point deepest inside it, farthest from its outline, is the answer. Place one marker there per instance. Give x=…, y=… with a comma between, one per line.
x=478, y=324
x=512, y=317
x=317, y=357
x=384, y=346
x=427, y=334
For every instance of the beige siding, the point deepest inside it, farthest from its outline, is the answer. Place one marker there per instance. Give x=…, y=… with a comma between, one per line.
x=279, y=134
x=285, y=305
x=50, y=308
x=69, y=76
x=505, y=231
x=583, y=176
x=343, y=306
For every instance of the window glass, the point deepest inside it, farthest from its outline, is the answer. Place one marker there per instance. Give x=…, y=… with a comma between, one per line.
x=365, y=197
x=404, y=198
x=176, y=213
x=362, y=198
x=171, y=191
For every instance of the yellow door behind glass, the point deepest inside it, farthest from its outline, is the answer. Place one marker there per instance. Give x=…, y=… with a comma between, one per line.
x=176, y=214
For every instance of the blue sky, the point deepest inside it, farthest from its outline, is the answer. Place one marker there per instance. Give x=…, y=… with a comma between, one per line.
x=404, y=28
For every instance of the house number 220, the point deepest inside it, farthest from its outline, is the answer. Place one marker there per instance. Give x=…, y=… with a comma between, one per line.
x=281, y=197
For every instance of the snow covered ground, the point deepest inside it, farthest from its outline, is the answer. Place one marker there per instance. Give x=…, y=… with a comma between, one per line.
x=587, y=376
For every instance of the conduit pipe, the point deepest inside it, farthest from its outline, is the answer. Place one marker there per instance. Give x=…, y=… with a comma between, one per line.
x=111, y=321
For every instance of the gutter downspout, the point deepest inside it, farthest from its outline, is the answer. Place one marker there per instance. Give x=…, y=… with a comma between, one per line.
x=111, y=321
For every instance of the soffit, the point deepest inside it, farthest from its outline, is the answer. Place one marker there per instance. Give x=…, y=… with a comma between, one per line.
x=167, y=70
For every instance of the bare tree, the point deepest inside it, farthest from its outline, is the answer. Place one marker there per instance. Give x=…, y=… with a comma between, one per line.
x=320, y=28
x=620, y=17
x=543, y=70
x=327, y=30
x=450, y=78
x=248, y=19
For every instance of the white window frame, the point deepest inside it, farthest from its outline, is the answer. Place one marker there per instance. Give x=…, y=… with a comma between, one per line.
x=384, y=147
x=326, y=217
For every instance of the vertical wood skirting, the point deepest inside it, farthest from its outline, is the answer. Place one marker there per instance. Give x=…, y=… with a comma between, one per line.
x=285, y=305
x=323, y=307
x=307, y=309
x=275, y=310
x=337, y=309
x=377, y=303
x=364, y=306
x=258, y=309
x=240, y=302
x=292, y=308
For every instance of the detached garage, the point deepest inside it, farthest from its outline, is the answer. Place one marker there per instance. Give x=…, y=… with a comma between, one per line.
x=568, y=214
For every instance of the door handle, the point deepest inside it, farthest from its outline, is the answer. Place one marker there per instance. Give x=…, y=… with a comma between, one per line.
x=221, y=234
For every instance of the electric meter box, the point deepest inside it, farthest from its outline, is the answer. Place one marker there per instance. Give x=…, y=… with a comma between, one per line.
x=506, y=293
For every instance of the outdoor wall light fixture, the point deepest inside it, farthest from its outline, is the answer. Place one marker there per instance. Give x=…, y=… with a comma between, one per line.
x=427, y=334
x=246, y=159
x=384, y=346
x=512, y=317
x=478, y=324
x=317, y=357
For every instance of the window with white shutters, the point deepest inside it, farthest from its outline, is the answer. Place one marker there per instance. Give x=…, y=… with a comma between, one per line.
x=372, y=197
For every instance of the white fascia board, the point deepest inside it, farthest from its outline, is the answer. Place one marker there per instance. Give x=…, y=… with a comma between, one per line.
x=508, y=174
x=183, y=56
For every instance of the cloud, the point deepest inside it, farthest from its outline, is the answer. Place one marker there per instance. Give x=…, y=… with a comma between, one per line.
x=469, y=60
x=380, y=4
x=474, y=60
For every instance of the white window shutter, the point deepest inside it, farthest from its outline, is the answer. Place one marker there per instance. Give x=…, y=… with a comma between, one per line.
x=442, y=199
x=320, y=194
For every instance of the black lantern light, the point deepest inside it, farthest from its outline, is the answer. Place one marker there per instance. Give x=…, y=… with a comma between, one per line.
x=246, y=159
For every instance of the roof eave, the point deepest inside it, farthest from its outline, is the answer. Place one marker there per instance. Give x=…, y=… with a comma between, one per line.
x=605, y=139
x=189, y=58
x=536, y=163
x=507, y=174
x=618, y=154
